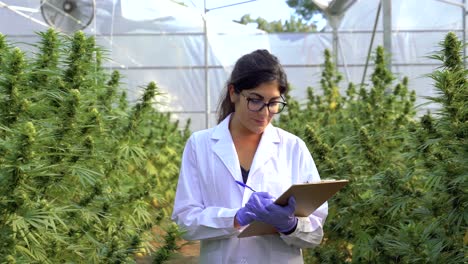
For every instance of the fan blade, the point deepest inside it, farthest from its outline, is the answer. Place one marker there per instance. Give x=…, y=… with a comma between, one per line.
x=83, y=13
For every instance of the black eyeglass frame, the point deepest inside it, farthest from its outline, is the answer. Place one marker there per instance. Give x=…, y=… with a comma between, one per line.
x=281, y=107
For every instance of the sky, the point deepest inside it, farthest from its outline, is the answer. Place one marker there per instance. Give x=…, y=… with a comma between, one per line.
x=271, y=10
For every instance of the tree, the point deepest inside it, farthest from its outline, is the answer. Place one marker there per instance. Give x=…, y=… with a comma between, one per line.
x=304, y=8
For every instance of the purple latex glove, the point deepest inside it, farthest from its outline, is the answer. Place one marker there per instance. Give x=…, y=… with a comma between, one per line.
x=281, y=217
x=257, y=202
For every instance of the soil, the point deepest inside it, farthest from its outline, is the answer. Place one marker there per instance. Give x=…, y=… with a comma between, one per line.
x=187, y=254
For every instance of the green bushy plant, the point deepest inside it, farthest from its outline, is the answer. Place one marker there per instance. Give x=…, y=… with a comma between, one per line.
x=435, y=231
x=407, y=192
x=84, y=177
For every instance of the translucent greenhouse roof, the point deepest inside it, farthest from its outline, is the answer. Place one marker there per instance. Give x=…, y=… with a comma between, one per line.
x=406, y=15
x=165, y=42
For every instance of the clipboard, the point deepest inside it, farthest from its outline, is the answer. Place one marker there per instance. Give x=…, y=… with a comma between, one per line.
x=309, y=197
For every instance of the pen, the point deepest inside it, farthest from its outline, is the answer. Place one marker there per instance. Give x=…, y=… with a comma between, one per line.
x=245, y=185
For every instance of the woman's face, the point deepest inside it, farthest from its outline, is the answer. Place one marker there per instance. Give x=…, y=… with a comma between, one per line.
x=251, y=121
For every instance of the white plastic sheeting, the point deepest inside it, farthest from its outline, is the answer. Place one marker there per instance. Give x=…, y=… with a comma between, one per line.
x=406, y=15
x=165, y=42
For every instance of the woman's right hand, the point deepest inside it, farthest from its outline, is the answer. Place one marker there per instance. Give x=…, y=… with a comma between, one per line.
x=256, y=204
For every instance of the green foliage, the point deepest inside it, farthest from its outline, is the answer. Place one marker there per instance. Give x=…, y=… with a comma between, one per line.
x=169, y=247
x=442, y=160
x=291, y=25
x=406, y=201
x=83, y=176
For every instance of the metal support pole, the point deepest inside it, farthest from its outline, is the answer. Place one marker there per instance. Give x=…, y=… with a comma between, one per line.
x=345, y=65
x=334, y=21
x=207, y=87
x=335, y=46
x=387, y=26
x=371, y=43
x=464, y=32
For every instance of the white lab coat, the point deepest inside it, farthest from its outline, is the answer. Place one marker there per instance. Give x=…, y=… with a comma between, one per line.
x=208, y=197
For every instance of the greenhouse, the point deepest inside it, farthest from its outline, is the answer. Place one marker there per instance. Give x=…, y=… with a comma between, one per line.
x=139, y=49
x=99, y=100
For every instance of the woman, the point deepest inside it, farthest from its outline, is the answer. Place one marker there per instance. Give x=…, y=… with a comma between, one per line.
x=222, y=167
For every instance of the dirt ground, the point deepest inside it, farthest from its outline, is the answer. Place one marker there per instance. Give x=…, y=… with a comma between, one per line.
x=188, y=253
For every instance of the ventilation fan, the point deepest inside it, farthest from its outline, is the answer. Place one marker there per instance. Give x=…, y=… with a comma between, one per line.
x=68, y=15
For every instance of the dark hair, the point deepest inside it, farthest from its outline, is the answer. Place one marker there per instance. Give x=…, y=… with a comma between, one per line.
x=250, y=71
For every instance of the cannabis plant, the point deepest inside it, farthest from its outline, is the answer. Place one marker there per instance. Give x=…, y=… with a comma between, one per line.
x=436, y=230
x=356, y=136
x=84, y=177
x=406, y=201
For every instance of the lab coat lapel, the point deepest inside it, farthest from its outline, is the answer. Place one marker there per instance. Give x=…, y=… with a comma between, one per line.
x=225, y=149
x=266, y=150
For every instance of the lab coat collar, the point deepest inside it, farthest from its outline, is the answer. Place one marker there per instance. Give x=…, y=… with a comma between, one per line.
x=226, y=151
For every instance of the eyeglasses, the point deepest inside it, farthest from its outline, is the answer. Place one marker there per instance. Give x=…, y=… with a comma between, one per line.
x=257, y=105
